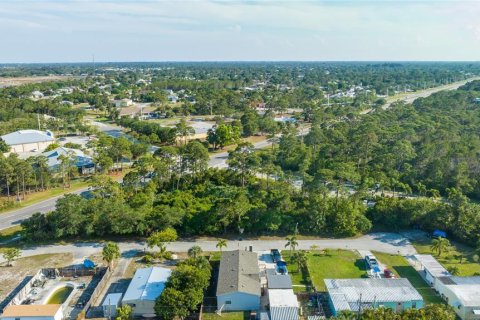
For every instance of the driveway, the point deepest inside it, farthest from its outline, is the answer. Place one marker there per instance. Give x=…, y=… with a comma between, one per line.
x=392, y=243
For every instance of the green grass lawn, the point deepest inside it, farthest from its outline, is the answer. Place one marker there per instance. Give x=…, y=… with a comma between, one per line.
x=333, y=264
x=466, y=266
x=226, y=316
x=400, y=266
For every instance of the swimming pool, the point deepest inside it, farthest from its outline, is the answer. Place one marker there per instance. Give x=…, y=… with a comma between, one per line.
x=60, y=295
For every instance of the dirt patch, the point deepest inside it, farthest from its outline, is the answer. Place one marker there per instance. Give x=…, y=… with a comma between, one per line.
x=10, y=277
x=8, y=82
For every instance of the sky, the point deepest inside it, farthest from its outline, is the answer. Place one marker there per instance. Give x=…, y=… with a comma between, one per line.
x=207, y=30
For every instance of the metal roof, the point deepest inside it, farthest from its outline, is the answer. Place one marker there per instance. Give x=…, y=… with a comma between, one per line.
x=279, y=281
x=239, y=272
x=466, y=289
x=346, y=294
x=27, y=136
x=78, y=156
x=282, y=298
x=467, y=294
x=147, y=284
x=432, y=265
x=112, y=299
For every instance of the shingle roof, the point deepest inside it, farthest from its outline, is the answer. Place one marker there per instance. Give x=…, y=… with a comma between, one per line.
x=347, y=293
x=147, y=284
x=239, y=272
x=26, y=136
x=31, y=310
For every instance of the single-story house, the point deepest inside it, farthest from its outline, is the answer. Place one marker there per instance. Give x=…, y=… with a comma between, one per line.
x=431, y=268
x=357, y=294
x=28, y=140
x=146, y=286
x=33, y=312
x=37, y=95
x=110, y=304
x=123, y=103
x=238, y=285
x=83, y=162
x=462, y=293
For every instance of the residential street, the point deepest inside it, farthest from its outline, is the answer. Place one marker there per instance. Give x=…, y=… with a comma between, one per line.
x=384, y=242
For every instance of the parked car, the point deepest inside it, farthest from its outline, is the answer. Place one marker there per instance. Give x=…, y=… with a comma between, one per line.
x=275, y=255
x=371, y=261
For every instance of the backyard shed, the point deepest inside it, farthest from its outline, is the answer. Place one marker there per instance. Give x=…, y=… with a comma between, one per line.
x=110, y=304
x=147, y=284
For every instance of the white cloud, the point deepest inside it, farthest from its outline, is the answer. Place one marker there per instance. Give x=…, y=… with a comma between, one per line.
x=264, y=30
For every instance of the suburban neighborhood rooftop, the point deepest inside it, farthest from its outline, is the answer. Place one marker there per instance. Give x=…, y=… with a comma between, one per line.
x=239, y=272
x=346, y=294
x=147, y=284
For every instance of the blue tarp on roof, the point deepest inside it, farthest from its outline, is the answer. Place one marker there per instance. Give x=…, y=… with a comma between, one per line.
x=88, y=264
x=439, y=233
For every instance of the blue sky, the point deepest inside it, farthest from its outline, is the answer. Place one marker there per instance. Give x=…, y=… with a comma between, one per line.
x=176, y=30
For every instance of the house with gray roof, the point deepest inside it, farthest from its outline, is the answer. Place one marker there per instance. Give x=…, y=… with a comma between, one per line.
x=238, y=285
x=28, y=140
x=358, y=294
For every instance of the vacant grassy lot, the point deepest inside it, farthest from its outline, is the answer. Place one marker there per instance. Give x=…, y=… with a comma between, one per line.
x=10, y=277
x=225, y=316
x=400, y=266
x=328, y=264
x=460, y=256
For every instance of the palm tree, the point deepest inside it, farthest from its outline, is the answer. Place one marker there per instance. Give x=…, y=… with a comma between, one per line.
x=110, y=252
x=221, y=243
x=194, y=252
x=440, y=245
x=292, y=243
x=300, y=258
x=183, y=130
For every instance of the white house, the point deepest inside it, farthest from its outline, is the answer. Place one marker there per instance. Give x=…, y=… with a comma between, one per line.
x=28, y=140
x=37, y=95
x=33, y=312
x=123, y=103
x=146, y=286
x=431, y=268
x=462, y=293
x=357, y=294
x=238, y=286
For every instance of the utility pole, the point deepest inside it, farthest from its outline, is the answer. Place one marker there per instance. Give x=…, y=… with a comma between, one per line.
x=93, y=62
x=38, y=121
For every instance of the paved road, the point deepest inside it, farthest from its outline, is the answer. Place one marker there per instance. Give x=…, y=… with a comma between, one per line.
x=384, y=242
x=410, y=97
x=15, y=217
